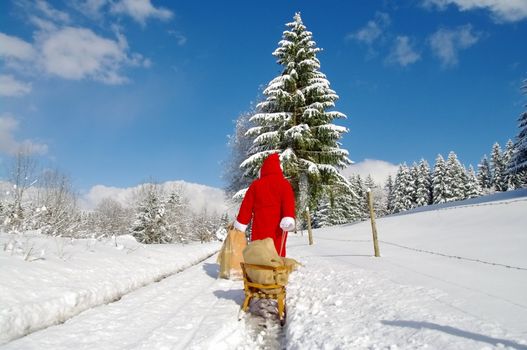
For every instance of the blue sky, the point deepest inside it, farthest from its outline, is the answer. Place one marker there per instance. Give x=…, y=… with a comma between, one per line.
x=118, y=92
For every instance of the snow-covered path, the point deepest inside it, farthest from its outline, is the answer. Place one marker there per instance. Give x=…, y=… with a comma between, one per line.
x=192, y=309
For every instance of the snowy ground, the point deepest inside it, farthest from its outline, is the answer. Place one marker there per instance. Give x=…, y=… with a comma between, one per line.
x=46, y=280
x=450, y=278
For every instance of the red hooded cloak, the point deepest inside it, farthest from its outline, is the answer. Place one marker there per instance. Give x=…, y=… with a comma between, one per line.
x=268, y=201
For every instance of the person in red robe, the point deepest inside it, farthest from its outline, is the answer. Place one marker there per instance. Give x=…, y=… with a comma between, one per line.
x=270, y=202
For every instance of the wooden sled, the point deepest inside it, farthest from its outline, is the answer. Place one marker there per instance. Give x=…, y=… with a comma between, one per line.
x=257, y=290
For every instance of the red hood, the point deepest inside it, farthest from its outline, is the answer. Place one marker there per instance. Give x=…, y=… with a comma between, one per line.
x=271, y=166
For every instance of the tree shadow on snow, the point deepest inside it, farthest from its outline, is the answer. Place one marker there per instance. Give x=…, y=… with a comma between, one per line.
x=457, y=332
x=212, y=270
x=235, y=295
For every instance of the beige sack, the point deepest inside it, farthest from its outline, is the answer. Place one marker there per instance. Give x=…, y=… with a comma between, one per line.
x=263, y=252
x=230, y=254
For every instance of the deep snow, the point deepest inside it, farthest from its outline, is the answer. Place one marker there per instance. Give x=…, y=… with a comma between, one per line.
x=441, y=283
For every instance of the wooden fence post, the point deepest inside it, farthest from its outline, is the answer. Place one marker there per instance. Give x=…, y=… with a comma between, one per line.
x=373, y=226
x=309, y=231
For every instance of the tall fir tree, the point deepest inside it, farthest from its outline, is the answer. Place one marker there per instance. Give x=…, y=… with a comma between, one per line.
x=342, y=208
x=499, y=171
x=440, y=187
x=484, y=174
x=403, y=189
x=178, y=217
x=295, y=120
x=518, y=164
x=389, y=194
x=379, y=207
x=150, y=224
x=423, y=185
x=511, y=178
x=456, y=178
x=414, y=173
x=321, y=216
x=361, y=205
x=472, y=187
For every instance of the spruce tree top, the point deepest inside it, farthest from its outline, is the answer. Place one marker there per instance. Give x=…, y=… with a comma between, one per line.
x=294, y=120
x=519, y=158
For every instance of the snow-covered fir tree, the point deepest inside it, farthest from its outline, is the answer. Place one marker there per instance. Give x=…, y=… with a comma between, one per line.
x=2, y=211
x=423, y=184
x=321, y=216
x=369, y=183
x=499, y=170
x=360, y=209
x=336, y=208
x=403, y=189
x=378, y=195
x=511, y=178
x=296, y=121
x=484, y=174
x=204, y=226
x=440, y=187
x=455, y=178
x=178, y=216
x=150, y=225
x=518, y=163
x=343, y=209
x=239, y=144
x=389, y=194
x=414, y=173
x=472, y=187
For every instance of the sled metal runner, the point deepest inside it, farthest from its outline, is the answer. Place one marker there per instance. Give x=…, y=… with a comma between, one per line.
x=264, y=291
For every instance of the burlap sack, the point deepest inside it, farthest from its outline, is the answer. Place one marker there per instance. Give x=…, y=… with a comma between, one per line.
x=231, y=255
x=263, y=252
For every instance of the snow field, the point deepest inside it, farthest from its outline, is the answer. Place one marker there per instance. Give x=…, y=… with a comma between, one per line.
x=70, y=276
x=333, y=307
x=441, y=283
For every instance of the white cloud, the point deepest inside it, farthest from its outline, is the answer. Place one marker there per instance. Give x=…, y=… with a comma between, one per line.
x=200, y=196
x=12, y=47
x=8, y=143
x=67, y=51
x=9, y=86
x=141, y=10
x=378, y=169
x=90, y=8
x=47, y=10
x=402, y=52
x=446, y=43
x=181, y=39
x=373, y=30
x=501, y=10
x=79, y=53
x=71, y=53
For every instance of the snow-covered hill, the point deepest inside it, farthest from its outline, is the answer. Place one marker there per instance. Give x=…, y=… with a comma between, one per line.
x=447, y=278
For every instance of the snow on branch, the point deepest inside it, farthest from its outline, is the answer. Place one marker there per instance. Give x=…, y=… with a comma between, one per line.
x=288, y=155
x=267, y=137
x=298, y=132
x=336, y=115
x=283, y=117
x=257, y=157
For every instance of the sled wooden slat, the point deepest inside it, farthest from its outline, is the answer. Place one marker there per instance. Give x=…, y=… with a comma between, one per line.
x=256, y=290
